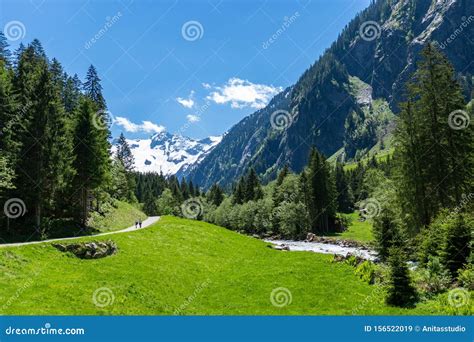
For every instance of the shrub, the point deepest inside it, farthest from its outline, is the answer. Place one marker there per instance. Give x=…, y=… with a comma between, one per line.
x=366, y=271
x=433, y=279
x=466, y=277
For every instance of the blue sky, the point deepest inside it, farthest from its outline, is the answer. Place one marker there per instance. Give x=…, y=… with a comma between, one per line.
x=193, y=67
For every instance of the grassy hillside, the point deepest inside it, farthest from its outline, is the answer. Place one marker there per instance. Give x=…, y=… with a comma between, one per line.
x=114, y=217
x=357, y=230
x=185, y=267
x=122, y=216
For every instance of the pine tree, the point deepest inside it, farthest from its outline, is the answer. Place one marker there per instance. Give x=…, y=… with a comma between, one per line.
x=239, y=192
x=93, y=89
x=322, y=206
x=17, y=55
x=457, y=245
x=5, y=54
x=215, y=195
x=345, y=199
x=91, y=162
x=72, y=94
x=401, y=292
x=44, y=159
x=124, y=154
x=149, y=206
x=431, y=181
x=283, y=173
x=252, y=188
x=387, y=233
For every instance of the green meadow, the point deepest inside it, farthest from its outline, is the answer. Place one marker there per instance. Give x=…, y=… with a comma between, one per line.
x=187, y=267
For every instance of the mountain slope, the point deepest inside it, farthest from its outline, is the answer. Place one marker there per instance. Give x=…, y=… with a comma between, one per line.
x=170, y=154
x=326, y=108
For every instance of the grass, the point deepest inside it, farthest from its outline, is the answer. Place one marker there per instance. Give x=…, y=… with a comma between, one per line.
x=357, y=230
x=185, y=267
x=120, y=216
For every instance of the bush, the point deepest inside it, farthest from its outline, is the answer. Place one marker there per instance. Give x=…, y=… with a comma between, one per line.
x=366, y=271
x=466, y=277
x=433, y=279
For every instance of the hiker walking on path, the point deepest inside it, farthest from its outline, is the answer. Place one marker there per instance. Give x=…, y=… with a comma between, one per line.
x=136, y=224
x=140, y=223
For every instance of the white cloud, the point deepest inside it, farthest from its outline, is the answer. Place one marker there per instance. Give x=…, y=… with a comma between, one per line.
x=206, y=85
x=193, y=118
x=145, y=126
x=189, y=102
x=242, y=93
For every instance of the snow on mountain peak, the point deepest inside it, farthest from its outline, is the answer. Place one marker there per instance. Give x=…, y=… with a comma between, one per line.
x=171, y=154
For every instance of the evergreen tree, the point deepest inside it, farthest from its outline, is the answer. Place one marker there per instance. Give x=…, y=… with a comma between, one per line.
x=345, y=199
x=215, y=195
x=44, y=159
x=283, y=173
x=457, y=245
x=387, y=233
x=322, y=205
x=5, y=54
x=252, y=187
x=401, y=292
x=431, y=181
x=124, y=154
x=149, y=206
x=93, y=89
x=239, y=194
x=71, y=94
x=119, y=187
x=91, y=157
x=17, y=55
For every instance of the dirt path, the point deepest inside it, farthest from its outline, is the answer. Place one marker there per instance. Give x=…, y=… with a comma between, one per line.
x=149, y=221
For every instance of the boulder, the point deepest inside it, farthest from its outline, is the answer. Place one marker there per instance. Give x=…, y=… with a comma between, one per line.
x=89, y=250
x=310, y=237
x=282, y=248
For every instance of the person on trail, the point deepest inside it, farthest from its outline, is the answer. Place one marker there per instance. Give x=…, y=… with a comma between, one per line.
x=136, y=224
x=140, y=223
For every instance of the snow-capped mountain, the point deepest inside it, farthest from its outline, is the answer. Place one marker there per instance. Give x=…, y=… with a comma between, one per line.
x=169, y=153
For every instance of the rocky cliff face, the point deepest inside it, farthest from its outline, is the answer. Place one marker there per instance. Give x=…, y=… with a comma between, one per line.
x=325, y=108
